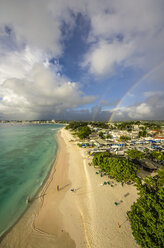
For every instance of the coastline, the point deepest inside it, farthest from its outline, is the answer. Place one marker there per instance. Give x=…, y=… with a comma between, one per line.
x=24, y=226
x=37, y=183
x=84, y=218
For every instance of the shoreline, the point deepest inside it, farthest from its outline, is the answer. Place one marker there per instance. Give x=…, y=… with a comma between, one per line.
x=41, y=217
x=36, y=196
x=86, y=217
x=33, y=206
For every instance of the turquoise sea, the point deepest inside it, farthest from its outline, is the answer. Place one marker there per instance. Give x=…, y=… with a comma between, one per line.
x=27, y=153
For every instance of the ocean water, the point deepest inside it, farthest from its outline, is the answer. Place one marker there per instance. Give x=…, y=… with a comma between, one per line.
x=27, y=153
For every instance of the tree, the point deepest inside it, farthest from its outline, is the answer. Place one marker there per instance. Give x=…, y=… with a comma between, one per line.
x=142, y=128
x=124, y=138
x=147, y=214
x=126, y=125
x=120, y=168
x=101, y=135
x=84, y=132
x=108, y=136
x=142, y=133
x=157, y=155
x=98, y=157
x=135, y=154
x=161, y=176
x=152, y=126
x=75, y=125
x=99, y=124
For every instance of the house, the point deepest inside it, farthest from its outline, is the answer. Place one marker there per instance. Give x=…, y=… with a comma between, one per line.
x=120, y=153
x=93, y=135
x=159, y=139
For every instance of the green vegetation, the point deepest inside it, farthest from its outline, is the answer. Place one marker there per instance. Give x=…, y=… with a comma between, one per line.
x=147, y=214
x=101, y=135
x=124, y=138
x=126, y=125
x=74, y=125
x=135, y=154
x=81, y=129
x=108, y=136
x=99, y=124
x=121, y=169
x=161, y=176
x=98, y=157
x=157, y=155
x=84, y=132
x=142, y=128
x=152, y=125
x=142, y=133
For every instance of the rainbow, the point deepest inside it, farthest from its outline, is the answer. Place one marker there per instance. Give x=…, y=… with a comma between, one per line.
x=145, y=76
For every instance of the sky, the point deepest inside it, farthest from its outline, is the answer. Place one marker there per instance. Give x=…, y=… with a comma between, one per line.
x=82, y=60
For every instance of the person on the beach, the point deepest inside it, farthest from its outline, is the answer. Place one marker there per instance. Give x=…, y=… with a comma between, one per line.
x=57, y=187
x=28, y=199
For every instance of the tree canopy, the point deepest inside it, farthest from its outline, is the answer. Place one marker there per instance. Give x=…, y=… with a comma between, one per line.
x=157, y=155
x=84, y=132
x=121, y=169
x=108, y=136
x=124, y=138
x=142, y=133
x=74, y=125
x=135, y=154
x=101, y=135
x=126, y=125
x=147, y=214
x=99, y=124
x=152, y=125
x=81, y=129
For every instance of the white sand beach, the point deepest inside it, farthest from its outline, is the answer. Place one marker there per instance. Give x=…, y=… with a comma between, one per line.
x=87, y=217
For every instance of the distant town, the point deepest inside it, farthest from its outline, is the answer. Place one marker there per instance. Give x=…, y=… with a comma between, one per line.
x=30, y=121
x=118, y=138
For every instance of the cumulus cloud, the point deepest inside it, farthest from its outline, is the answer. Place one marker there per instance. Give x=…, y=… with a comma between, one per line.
x=121, y=34
x=32, y=23
x=30, y=88
x=151, y=109
x=127, y=33
x=138, y=24
x=17, y=64
x=104, y=56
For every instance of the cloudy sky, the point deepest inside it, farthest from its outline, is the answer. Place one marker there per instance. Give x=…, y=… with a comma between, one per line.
x=85, y=59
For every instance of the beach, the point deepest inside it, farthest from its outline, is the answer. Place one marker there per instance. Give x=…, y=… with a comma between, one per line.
x=85, y=217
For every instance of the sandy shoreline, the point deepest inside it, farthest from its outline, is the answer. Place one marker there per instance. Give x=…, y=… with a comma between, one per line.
x=87, y=217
